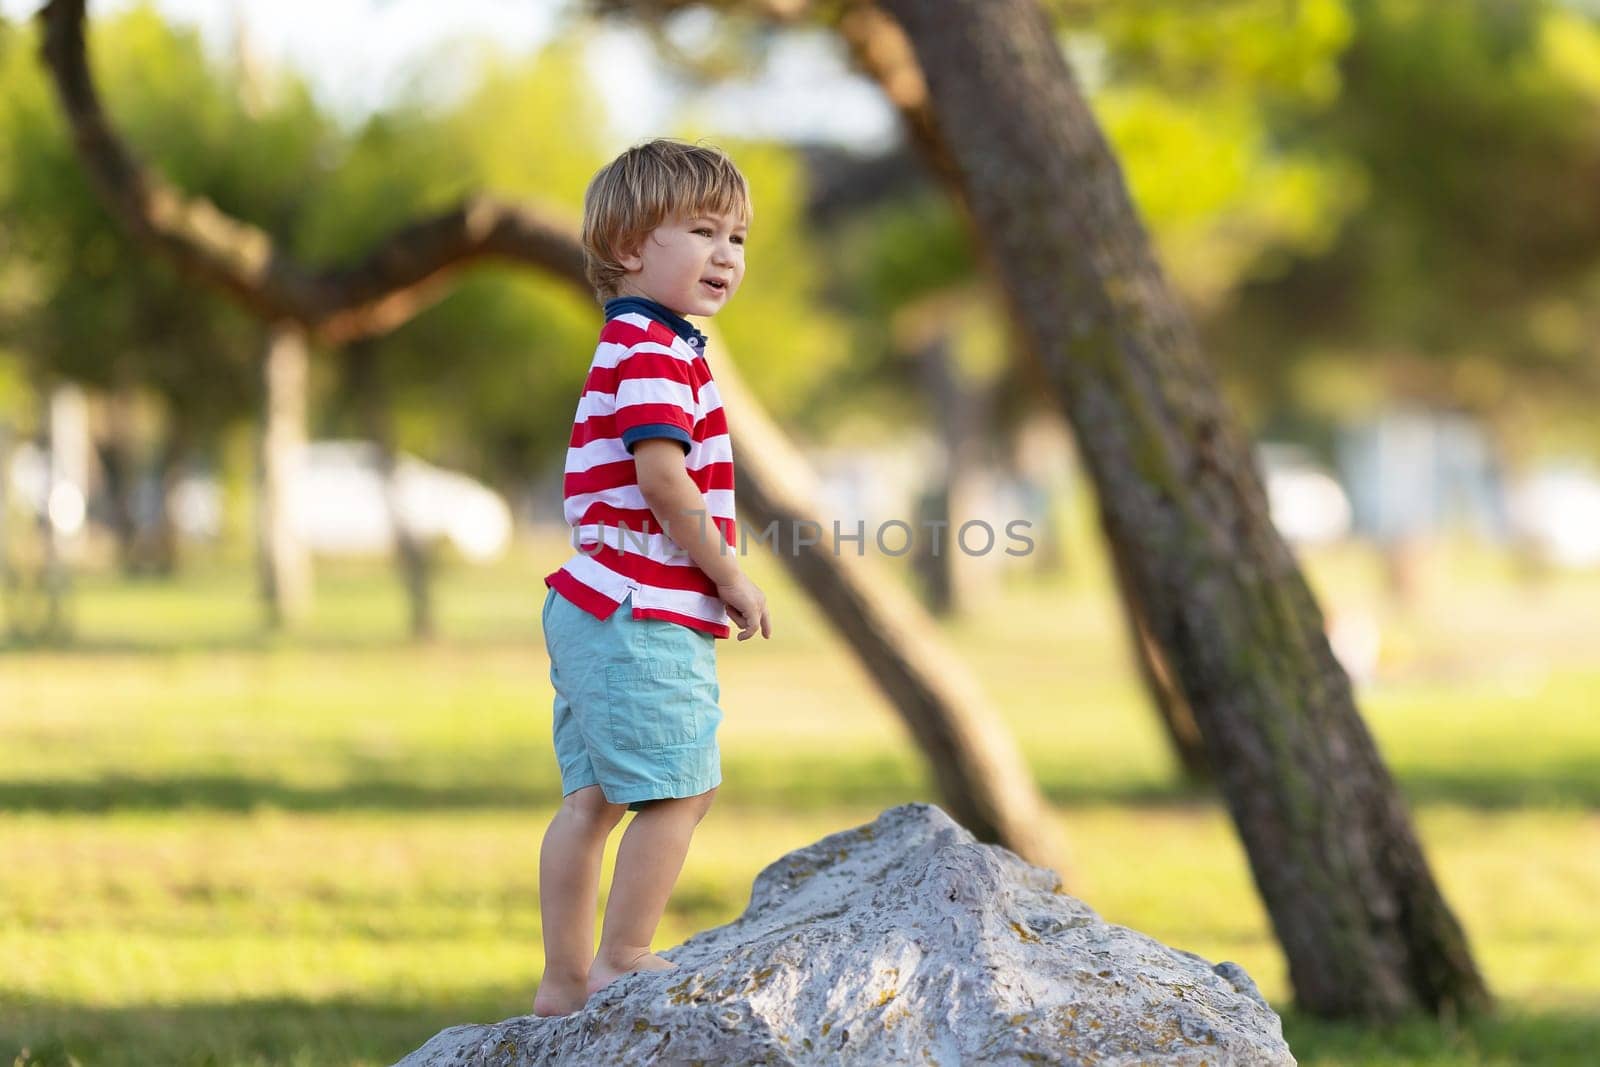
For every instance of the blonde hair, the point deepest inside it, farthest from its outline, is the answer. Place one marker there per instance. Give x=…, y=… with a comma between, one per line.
x=641, y=189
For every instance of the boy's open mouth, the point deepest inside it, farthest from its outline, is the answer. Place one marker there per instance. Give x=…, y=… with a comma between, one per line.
x=714, y=283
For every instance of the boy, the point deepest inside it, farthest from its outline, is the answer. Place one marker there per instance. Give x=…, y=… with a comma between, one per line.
x=649, y=490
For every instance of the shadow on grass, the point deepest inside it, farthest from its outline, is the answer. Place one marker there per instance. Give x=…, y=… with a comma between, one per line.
x=796, y=784
x=245, y=1033
x=1514, y=1037
x=236, y=793
x=1574, y=782
x=258, y=640
x=252, y=1033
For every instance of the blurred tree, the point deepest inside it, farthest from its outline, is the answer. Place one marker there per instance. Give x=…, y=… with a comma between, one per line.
x=1194, y=100
x=1467, y=272
x=84, y=302
x=1362, y=922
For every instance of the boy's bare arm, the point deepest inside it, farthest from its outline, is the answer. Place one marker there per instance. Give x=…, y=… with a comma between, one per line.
x=680, y=508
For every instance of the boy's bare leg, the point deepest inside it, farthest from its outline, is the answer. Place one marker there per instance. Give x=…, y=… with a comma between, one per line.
x=569, y=881
x=649, y=860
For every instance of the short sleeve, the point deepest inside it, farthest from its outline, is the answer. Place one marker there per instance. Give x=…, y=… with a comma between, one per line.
x=655, y=397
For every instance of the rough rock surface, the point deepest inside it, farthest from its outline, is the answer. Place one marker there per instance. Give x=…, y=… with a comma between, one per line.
x=902, y=941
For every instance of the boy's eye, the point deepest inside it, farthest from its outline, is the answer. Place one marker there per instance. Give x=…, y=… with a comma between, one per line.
x=738, y=239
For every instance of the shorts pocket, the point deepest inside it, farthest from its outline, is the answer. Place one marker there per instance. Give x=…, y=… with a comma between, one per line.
x=653, y=705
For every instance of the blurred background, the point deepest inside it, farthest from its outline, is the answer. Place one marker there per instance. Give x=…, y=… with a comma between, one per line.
x=251, y=821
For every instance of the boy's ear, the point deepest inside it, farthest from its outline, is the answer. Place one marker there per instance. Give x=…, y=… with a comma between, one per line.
x=628, y=256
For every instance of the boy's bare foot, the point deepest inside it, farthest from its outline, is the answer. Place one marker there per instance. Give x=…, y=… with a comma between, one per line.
x=556, y=997
x=608, y=968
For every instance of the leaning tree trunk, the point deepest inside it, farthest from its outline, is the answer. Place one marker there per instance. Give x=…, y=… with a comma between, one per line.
x=980, y=773
x=1365, y=928
x=285, y=561
x=879, y=47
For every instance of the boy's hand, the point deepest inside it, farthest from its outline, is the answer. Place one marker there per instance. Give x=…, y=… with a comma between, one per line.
x=747, y=606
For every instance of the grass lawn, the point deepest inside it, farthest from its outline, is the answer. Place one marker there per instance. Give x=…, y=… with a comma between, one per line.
x=219, y=848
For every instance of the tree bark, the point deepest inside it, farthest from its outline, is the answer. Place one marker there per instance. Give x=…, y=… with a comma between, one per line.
x=285, y=561
x=166, y=540
x=1365, y=928
x=412, y=557
x=5, y=512
x=120, y=461
x=960, y=409
x=980, y=773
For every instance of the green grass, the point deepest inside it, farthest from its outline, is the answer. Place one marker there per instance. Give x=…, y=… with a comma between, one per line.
x=220, y=848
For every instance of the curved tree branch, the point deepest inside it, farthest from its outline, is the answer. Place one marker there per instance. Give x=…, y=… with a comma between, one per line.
x=396, y=279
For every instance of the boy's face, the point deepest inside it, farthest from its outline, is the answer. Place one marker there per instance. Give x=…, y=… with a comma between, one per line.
x=681, y=262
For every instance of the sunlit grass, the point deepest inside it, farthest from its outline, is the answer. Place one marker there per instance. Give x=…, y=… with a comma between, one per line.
x=217, y=847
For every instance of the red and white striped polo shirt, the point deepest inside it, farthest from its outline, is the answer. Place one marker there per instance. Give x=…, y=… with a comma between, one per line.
x=649, y=379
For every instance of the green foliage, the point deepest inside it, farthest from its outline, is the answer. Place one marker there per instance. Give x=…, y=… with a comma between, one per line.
x=534, y=129
x=1190, y=97
x=1469, y=269
x=84, y=301
x=488, y=377
x=905, y=251
x=1285, y=52
x=885, y=262
x=1222, y=201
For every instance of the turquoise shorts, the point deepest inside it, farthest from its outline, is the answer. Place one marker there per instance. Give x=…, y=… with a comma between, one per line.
x=636, y=703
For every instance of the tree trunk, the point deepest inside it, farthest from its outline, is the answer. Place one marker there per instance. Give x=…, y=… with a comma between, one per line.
x=37, y=593
x=1330, y=842
x=951, y=580
x=285, y=561
x=166, y=541
x=412, y=558
x=120, y=460
x=66, y=503
x=5, y=510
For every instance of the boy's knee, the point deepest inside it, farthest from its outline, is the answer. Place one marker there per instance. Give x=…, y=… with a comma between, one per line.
x=590, y=807
x=702, y=803
x=696, y=805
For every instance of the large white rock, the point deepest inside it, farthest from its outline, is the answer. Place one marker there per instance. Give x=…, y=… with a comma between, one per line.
x=902, y=941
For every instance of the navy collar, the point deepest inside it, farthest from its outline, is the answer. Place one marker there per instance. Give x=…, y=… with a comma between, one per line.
x=621, y=305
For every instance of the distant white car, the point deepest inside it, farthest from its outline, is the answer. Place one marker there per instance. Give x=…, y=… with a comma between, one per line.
x=1308, y=505
x=339, y=504
x=1558, y=509
x=341, y=507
